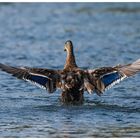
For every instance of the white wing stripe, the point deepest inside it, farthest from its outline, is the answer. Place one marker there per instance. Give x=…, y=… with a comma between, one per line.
x=35, y=83
x=39, y=75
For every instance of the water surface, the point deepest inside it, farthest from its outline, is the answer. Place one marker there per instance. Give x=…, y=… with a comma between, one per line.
x=104, y=34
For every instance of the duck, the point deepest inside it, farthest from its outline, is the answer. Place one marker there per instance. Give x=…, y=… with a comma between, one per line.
x=72, y=80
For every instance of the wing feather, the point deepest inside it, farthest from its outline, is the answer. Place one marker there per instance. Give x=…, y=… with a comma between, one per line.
x=106, y=77
x=42, y=78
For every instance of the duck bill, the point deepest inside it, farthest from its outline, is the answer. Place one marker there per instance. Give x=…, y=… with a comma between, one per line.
x=65, y=48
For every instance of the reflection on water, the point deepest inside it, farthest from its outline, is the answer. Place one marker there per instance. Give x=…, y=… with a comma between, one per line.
x=104, y=34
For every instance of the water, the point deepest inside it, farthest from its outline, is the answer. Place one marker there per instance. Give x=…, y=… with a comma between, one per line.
x=103, y=35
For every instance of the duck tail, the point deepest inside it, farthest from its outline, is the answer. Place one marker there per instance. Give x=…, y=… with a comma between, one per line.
x=131, y=69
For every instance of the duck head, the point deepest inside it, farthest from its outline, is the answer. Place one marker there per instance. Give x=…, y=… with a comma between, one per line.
x=68, y=46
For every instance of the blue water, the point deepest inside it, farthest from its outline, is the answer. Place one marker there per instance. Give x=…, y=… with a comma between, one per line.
x=104, y=34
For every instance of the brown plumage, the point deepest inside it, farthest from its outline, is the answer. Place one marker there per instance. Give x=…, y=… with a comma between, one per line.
x=72, y=80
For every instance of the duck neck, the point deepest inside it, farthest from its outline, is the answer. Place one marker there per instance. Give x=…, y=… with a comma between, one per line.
x=70, y=60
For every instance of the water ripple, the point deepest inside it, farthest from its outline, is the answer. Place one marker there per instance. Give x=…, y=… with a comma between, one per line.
x=104, y=34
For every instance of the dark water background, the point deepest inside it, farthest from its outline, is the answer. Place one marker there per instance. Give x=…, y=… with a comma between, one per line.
x=104, y=34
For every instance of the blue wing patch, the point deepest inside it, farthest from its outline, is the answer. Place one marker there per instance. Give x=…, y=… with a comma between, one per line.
x=108, y=79
x=39, y=79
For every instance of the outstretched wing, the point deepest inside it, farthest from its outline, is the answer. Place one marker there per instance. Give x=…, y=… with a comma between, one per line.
x=105, y=77
x=44, y=78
